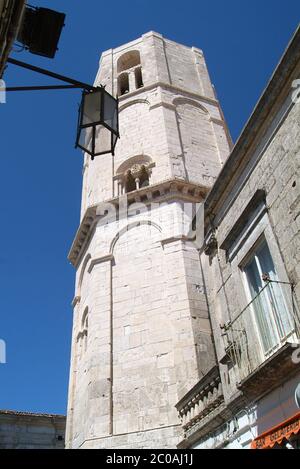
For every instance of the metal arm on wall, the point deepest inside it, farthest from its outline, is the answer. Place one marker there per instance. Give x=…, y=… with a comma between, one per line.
x=72, y=83
x=98, y=123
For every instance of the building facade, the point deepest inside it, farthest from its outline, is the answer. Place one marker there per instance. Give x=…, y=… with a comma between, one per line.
x=180, y=341
x=251, y=263
x=141, y=331
x=25, y=430
x=11, y=12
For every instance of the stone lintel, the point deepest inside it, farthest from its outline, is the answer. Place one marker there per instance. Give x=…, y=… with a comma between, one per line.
x=100, y=260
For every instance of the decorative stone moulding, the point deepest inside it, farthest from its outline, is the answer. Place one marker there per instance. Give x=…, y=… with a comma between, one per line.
x=200, y=401
x=174, y=189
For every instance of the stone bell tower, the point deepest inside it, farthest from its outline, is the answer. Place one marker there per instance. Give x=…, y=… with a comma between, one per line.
x=141, y=331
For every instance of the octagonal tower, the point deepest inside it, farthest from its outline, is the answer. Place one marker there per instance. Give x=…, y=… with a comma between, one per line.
x=141, y=329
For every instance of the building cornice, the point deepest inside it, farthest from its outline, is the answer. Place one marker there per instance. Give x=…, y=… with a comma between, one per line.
x=169, y=87
x=120, y=49
x=272, y=97
x=175, y=239
x=100, y=260
x=164, y=191
x=16, y=413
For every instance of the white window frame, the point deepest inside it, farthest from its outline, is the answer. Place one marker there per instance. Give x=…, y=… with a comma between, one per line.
x=279, y=339
x=259, y=228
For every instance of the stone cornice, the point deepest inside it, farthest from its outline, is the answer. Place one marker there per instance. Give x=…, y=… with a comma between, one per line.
x=218, y=121
x=15, y=413
x=168, y=86
x=174, y=239
x=171, y=189
x=83, y=234
x=264, y=112
x=100, y=260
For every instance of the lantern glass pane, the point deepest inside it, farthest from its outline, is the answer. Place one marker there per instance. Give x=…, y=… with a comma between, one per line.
x=110, y=117
x=102, y=140
x=91, y=107
x=85, y=139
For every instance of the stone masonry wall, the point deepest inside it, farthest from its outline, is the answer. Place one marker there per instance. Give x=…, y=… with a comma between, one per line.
x=277, y=173
x=161, y=338
x=141, y=331
x=22, y=430
x=175, y=121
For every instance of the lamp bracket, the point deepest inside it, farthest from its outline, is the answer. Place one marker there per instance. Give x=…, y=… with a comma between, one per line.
x=48, y=73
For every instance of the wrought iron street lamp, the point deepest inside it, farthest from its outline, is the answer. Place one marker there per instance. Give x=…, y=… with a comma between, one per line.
x=98, y=128
x=39, y=30
x=98, y=123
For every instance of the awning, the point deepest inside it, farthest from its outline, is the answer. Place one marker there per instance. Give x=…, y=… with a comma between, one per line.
x=278, y=434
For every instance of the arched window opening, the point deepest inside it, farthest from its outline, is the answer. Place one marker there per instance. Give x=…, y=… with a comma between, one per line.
x=82, y=336
x=130, y=184
x=128, y=60
x=143, y=177
x=133, y=174
x=84, y=317
x=85, y=334
x=136, y=178
x=123, y=84
x=132, y=79
x=138, y=78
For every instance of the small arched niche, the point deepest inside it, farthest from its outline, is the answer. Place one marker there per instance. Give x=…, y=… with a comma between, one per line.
x=82, y=336
x=84, y=319
x=123, y=84
x=138, y=78
x=134, y=174
x=128, y=60
x=129, y=71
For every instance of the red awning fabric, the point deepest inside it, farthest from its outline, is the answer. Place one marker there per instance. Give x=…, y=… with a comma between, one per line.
x=277, y=434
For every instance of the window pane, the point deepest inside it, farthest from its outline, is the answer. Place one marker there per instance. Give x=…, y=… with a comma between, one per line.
x=261, y=306
x=271, y=313
x=266, y=261
x=278, y=305
x=254, y=279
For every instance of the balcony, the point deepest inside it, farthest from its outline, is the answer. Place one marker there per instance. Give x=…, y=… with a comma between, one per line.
x=260, y=341
x=201, y=404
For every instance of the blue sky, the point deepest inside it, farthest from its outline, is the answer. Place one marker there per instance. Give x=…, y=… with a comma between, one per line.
x=41, y=171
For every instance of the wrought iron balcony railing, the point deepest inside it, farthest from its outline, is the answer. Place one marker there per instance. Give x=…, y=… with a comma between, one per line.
x=268, y=322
